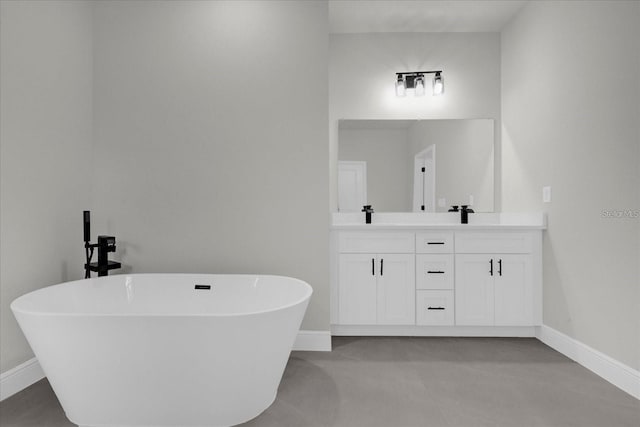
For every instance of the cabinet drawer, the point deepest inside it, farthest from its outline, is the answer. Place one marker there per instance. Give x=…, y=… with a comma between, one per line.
x=434, y=243
x=434, y=271
x=494, y=242
x=434, y=308
x=375, y=242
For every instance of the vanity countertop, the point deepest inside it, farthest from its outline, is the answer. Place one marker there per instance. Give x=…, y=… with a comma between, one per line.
x=439, y=221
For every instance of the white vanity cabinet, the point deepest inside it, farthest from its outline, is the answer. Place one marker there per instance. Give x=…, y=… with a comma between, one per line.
x=434, y=278
x=494, y=289
x=377, y=279
x=452, y=281
x=494, y=279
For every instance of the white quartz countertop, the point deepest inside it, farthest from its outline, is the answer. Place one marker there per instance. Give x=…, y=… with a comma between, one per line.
x=439, y=221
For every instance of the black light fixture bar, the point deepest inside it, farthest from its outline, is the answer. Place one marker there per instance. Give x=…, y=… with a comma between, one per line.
x=416, y=80
x=410, y=76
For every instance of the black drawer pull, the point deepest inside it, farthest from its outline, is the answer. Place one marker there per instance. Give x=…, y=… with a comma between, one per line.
x=435, y=243
x=435, y=272
x=491, y=264
x=382, y=266
x=435, y=308
x=500, y=267
x=373, y=266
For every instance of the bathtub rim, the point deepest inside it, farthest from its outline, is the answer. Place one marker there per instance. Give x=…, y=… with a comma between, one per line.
x=306, y=298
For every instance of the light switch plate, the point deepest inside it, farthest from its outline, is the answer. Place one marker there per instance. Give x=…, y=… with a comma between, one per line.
x=442, y=203
x=546, y=194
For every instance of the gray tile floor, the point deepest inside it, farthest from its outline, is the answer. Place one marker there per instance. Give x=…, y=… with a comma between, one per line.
x=411, y=382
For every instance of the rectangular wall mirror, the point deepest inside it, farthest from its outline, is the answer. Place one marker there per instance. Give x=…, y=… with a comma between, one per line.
x=415, y=165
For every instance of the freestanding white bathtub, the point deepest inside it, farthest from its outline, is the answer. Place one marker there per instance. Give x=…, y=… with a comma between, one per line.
x=152, y=350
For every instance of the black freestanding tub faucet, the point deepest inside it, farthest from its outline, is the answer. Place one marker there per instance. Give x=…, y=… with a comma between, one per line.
x=105, y=245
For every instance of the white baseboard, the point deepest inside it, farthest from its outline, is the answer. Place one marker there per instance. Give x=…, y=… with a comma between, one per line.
x=313, y=341
x=433, y=331
x=19, y=378
x=617, y=373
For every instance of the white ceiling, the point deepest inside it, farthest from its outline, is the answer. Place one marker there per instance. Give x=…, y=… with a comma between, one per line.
x=429, y=16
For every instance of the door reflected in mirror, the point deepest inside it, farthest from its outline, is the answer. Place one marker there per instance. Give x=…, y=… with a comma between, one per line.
x=415, y=165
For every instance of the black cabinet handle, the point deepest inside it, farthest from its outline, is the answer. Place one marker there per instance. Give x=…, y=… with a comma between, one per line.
x=435, y=308
x=435, y=272
x=491, y=263
x=500, y=267
x=373, y=266
x=381, y=265
x=435, y=243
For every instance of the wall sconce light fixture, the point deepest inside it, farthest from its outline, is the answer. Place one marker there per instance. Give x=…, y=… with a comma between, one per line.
x=401, y=86
x=415, y=80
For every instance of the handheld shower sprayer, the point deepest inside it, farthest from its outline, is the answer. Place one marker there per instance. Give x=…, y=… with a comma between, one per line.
x=86, y=217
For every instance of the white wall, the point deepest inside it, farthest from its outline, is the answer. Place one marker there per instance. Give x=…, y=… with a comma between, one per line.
x=571, y=115
x=362, y=70
x=386, y=152
x=210, y=133
x=45, y=152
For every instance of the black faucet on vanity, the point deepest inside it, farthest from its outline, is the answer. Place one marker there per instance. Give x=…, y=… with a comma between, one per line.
x=465, y=210
x=105, y=245
x=368, y=210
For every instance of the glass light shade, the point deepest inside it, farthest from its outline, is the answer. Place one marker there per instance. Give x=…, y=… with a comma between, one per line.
x=438, y=85
x=419, y=86
x=401, y=88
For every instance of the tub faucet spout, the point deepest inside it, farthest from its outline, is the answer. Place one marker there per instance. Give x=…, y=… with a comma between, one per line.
x=106, y=244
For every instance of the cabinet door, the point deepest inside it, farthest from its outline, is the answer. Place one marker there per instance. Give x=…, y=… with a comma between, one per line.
x=357, y=289
x=513, y=290
x=396, y=289
x=474, y=290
